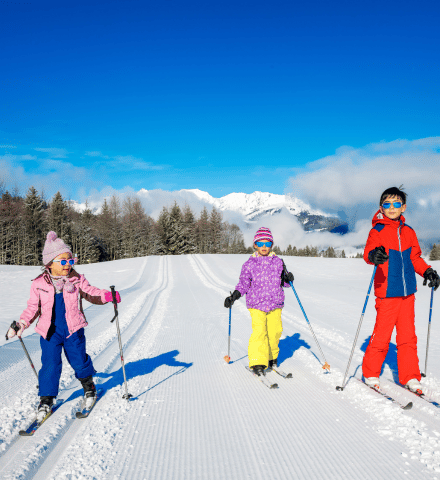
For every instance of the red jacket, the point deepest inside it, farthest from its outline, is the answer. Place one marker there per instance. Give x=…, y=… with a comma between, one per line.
x=396, y=277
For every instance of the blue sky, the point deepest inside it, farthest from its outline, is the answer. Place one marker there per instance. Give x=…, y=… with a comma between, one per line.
x=224, y=97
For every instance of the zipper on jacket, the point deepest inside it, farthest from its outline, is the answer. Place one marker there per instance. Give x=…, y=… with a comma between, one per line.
x=401, y=256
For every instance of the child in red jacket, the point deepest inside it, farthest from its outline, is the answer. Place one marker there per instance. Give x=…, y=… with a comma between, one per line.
x=393, y=247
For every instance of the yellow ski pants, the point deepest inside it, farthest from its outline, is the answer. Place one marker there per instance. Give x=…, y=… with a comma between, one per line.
x=266, y=332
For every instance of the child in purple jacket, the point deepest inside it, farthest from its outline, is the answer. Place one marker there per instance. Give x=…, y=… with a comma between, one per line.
x=55, y=296
x=262, y=279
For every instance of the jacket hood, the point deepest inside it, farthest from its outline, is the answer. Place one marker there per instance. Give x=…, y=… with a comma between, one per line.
x=379, y=217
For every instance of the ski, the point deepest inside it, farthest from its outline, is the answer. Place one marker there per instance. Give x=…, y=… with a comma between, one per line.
x=84, y=412
x=407, y=406
x=263, y=379
x=422, y=396
x=34, y=425
x=282, y=373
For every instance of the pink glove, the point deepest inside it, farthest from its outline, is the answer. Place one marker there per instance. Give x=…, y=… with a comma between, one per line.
x=11, y=332
x=109, y=297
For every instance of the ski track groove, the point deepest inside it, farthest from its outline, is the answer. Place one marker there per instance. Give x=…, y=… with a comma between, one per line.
x=64, y=421
x=171, y=429
x=392, y=422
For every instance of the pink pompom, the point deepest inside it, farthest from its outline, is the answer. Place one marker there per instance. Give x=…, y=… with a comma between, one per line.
x=51, y=236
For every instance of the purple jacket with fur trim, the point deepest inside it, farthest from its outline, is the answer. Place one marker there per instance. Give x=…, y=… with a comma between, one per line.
x=260, y=280
x=40, y=303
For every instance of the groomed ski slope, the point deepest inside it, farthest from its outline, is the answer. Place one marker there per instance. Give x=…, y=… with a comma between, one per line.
x=193, y=416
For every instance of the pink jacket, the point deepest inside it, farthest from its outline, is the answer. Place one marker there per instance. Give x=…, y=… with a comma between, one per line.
x=40, y=303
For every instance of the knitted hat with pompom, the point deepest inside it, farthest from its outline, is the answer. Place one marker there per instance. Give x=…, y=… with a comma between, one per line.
x=53, y=247
x=263, y=233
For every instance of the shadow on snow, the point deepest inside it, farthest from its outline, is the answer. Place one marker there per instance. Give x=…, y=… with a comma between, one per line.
x=136, y=369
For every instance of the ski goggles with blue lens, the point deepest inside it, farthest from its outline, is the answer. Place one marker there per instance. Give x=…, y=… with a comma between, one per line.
x=63, y=261
x=387, y=205
x=264, y=244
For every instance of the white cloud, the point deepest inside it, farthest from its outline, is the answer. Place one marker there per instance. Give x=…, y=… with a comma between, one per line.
x=352, y=180
x=53, y=152
x=96, y=154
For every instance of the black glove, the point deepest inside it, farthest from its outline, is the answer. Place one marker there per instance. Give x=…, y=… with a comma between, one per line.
x=378, y=256
x=229, y=301
x=286, y=277
x=433, y=278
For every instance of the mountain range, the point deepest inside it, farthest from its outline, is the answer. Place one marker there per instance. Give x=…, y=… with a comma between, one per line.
x=248, y=211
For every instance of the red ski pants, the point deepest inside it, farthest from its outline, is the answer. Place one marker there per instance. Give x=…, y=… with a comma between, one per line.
x=399, y=312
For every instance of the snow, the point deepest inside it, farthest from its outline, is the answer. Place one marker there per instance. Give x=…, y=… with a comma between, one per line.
x=192, y=416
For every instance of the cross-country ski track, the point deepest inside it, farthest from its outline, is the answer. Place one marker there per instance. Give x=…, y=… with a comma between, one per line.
x=192, y=416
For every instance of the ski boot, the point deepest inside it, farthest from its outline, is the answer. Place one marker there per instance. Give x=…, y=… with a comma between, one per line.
x=273, y=363
x=258, y=369
x=44, y=408
x=373, y=382
x=414, y=386
x=89, y=391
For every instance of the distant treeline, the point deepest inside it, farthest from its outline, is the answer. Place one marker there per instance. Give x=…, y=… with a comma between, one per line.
x=121, y=230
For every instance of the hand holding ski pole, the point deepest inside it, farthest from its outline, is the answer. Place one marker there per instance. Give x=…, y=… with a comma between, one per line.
x=18, y=328
x=127, y=395
x=228, y=356
x=15, y=329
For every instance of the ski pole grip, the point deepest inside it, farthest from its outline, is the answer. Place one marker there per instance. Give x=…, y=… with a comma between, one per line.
x=115, y=303
x=112, y=288
x=14, y=326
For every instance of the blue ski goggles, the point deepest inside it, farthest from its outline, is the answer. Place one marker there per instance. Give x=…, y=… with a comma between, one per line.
x=264, y=244
x=63, y=261
x=387, y=205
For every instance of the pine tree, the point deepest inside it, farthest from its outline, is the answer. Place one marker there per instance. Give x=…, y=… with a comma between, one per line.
x=435, y=253
x=85, y=241
x=330, y=253
x=215, y=231
x=202, y=232
x=33, y=227
x=58, y=218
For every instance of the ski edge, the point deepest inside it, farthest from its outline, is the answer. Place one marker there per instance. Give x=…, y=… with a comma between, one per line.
x=263, y=379
x=422, y=396
x=83, y=413
x=282, y=373
x=34, y=425
x=403, y=406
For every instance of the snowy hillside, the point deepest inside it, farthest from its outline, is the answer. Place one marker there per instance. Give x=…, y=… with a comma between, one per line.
x=283, y=212
x=192, y=416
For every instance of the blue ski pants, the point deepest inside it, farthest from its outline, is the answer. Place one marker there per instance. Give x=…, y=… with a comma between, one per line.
x=51, y=348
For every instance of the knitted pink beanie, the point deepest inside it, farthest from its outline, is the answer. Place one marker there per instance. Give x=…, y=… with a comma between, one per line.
x=53, y=247
x=263, y=233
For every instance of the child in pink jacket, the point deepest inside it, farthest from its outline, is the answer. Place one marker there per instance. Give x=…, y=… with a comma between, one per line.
x=56, y=298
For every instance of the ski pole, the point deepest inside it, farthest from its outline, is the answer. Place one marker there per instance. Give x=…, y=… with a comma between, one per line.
x=358, y=329
x=326, y=366
x=127, y=395
x=228, y=356
x=429, y=331
x=15, y=327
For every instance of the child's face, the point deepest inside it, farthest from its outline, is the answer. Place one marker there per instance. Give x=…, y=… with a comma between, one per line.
x=57, y=269
x=392, y=213
x=263, y=251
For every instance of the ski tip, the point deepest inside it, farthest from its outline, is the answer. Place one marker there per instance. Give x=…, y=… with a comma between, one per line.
x=227, y=358
x=408, y=406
